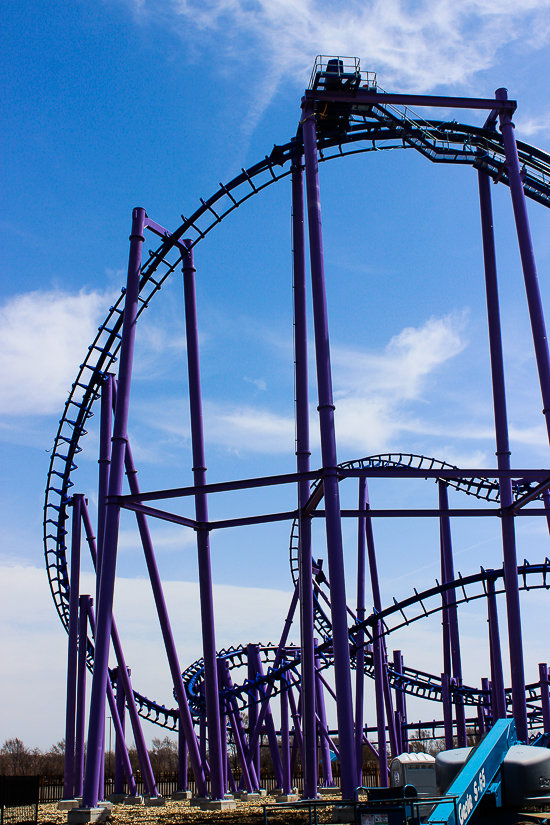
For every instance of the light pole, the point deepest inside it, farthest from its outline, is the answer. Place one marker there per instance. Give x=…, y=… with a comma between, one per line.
x=110, y=718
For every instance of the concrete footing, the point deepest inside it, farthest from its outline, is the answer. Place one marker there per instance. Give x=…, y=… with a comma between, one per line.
x=79, y=816
x=69, y=804
x=324, y=791
x=287, y=797
x=197, y=801
x=182, y=795
x=275, y=791
x=116, y=798
x=218, y=805
x=154, y=801
x=132, y=800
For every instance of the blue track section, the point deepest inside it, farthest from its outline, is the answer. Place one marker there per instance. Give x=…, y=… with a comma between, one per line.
x=373, y=128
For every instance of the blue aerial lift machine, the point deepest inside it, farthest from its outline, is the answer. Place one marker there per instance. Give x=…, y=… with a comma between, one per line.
x=491, y=784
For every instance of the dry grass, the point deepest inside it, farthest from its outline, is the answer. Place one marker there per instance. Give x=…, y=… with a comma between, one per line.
x=246, y=813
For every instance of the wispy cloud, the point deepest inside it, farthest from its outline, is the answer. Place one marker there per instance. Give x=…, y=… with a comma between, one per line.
x=378, y=396
x=375, y=391
x=532, y=126
x=44, y=336
x=412, y=45
x=249, y=429
x=259, y=383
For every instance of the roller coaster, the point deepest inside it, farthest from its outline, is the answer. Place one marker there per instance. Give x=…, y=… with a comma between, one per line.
x=344, y=112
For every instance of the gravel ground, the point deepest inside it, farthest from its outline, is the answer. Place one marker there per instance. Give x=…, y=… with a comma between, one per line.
x=246, y=813
x=174, y=813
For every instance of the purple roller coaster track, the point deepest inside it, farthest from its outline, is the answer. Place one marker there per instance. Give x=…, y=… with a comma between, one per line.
x=343, y=112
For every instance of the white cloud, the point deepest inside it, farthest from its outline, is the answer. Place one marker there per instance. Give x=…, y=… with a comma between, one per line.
x=373, y=391
x=412, y=45
x=249, y=428
x=33, y=645
x=374, y=394
x=526, y=127
x=259, y=383
x=44, y=336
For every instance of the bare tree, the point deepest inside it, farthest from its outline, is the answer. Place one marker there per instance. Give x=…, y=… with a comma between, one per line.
x=164, y=754
x=16, y=759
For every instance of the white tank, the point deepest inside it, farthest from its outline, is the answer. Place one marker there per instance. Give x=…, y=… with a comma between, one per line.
x=526, y=776
x=447, y=765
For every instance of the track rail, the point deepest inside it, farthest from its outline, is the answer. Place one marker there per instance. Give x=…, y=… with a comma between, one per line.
x=414, y=682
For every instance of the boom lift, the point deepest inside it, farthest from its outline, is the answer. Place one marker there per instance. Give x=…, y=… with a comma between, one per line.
x=489, y=785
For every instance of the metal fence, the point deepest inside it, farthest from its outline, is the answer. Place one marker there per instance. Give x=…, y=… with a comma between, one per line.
x=51, y=787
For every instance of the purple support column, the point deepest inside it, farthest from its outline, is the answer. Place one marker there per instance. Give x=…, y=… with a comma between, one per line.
x=265, y=714
x=448, y=575
x=401, y=703
x=231, y=778
x=377, y=603
x=254, y=657
x=486, y=685
x=108, y=565
x=104, y=468
x=360, y=637
x=447, y=710
x=379, y=695
x=335, y=553
x=445, y=611
x=72, y=654
x=119, y=733
x=297, y=738
x=81, y=693
x=307, y=655
x=166, y=629
x=120, y=746
x=328, y=781
x=446, y=699
x=297, y=744
x=544, y=696
x=497, y=676
x=248, y=778
x=505, y=485
x=182, y=758
x=164, y=620
x=249, y=774
x=540, y=341
x=101, y=780
x=203, y=538
x=141, y=747
x=285, y=739
x=202, y=732
x=253, y=711
x=223, y=723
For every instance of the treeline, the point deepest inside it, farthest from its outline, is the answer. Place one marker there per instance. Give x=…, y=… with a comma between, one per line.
x=18, y=760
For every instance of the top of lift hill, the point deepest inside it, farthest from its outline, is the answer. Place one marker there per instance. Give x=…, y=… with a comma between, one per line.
x=338, y=78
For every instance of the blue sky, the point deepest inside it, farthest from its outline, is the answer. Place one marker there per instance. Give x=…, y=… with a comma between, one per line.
x=119, y=104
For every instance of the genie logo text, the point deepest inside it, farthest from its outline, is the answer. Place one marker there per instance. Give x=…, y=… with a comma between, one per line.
x=472, y=797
